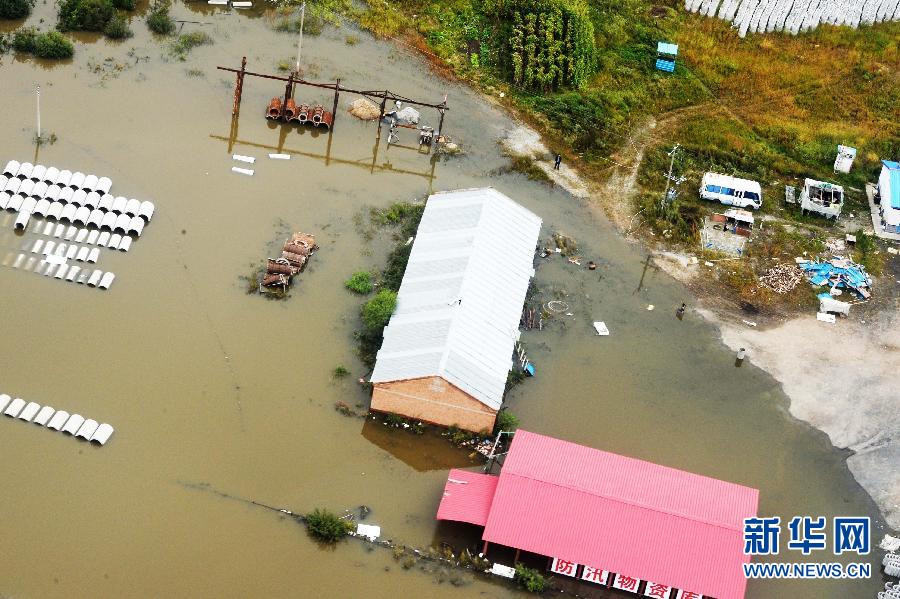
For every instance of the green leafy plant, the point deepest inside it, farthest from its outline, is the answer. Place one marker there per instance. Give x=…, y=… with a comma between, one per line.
x=377, y=311
x=51, y=44
x=188, y=41
x=506, y=421
x=128, y=5
x=25, y=40
x=360, y=282
x=85, y=15
x=117, y=29
x=326, y=526
x=15, y=9
x=158, y=19
x=530, y=579
x=339, y=372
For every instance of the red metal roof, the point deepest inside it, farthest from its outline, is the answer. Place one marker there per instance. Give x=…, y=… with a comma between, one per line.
x=629, y=516
x=467, y=497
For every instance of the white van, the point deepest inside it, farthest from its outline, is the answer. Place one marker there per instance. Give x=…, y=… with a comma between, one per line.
x=731, y=191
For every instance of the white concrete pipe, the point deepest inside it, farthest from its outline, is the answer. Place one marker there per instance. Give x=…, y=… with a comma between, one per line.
x=73, y=424
x=133, y=207
x=29, y=411
x=42, y=207
x=122, y=222
x=87, y=429
x=92, y=200
x=104, y=184
x=107, y=280
x=22, y=220
x=26, y=188
x=51, y=175
x=136, y=226
x=82, y=235
x=95, y=218
x=81, y=216
x=93, y=256
x=114, y=240
x=146, y=211
x=79, y=198
x=64, y=178
x=94, y=278
x=4, y=401
x=56, y=209
x=82, y=254
x=38, y=173
x=119, y=204
x=11, y=168
x=66, y=194
x=109, y=221
x=43, y=417
x=3, y=181
x=77, y=181
x=68, y=213
x=14, y=407
x=73, y=272
x=104, y=238
x=61, y=272
x=102, y=435
x=92, y=237
x=53, y=193
x=106, y=202
x=28, y=205
x=25, y=170
x=12, y=186
x=40, y=190
x=15, y=203
x=125, y=244
x=58, y=420
x=90, y=183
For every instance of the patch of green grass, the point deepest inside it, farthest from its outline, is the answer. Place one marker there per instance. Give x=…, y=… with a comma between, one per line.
x=360, y=282
x=867, y=253
x=377, y=311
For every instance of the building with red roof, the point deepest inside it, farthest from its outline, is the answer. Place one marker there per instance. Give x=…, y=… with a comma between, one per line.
x=609, y=519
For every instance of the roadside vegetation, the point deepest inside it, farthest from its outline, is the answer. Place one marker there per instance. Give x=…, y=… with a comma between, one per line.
x=49, y=44
x=326, y=527
x=531, y=579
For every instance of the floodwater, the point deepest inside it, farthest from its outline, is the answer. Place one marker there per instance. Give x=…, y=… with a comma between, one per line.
x=206, y=383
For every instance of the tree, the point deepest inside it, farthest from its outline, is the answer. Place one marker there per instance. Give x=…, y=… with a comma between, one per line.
x=377, y=311
x=85, y=15
x=15, y=9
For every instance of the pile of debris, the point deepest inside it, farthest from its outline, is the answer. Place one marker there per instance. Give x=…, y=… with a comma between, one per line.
x=839, y=273
x=364, y=110
x=294, y=255
x=781, y=278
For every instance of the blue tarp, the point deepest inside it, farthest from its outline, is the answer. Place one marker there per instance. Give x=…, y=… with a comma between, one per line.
x=852, y=276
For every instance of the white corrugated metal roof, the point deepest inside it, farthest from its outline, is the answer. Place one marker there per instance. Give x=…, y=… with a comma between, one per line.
x=461, y=299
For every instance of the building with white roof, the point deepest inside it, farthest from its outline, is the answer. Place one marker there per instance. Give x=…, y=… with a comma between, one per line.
x=449, y=345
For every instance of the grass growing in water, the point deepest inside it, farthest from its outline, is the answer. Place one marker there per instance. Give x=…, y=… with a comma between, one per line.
x=51, y=44
x=158, y=19
x=186, y=42
x=340, y=372
x=377, y=311
x=360, y=282
x=117, y=29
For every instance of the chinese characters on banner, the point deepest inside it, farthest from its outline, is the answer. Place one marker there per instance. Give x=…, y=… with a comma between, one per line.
x=688, y=595
x=596, y=575
x=657, y=590
x=626, y=583
x=561, y=566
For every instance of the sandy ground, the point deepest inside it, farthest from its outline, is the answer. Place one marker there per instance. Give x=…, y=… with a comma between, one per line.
x=842, y=378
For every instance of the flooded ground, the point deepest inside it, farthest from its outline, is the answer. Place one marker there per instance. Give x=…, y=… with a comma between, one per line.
x=208, y=384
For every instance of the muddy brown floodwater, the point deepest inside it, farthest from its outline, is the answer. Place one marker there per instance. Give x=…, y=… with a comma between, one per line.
x=207, y=384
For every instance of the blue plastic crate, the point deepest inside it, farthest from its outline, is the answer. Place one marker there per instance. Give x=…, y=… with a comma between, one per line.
x=665, y=65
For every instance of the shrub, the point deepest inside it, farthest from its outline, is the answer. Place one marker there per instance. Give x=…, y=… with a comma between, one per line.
x=53, y=44
x=15, y=9
x=530, y=579
x=377, y=311
x=117, y=29
x=360, y=282
x=25, y=40
x=85, y=15
x=506, y=421
x=158, y=20
x=128, y=5
x=327, y=527
x=339, y=371
x=396, y=266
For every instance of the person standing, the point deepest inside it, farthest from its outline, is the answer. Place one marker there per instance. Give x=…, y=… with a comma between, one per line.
x=557, y=162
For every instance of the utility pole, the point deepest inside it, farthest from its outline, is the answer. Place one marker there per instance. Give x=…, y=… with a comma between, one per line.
x=38, y=114
x=669, y=176
x=300, y=40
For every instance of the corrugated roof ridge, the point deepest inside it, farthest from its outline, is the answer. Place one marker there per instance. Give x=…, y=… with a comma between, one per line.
x=628, y=502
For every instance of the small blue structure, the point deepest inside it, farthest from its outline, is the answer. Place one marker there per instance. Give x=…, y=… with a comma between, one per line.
x=665, y=56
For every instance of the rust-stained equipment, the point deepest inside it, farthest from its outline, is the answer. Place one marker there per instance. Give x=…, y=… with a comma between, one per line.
x=294, y=256
x=290, y=109
x=302, y=114
x=274, y=110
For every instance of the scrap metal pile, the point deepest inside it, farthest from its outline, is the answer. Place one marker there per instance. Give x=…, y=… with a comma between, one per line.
x=294, y=255
x=781, y=278
x=839, y=273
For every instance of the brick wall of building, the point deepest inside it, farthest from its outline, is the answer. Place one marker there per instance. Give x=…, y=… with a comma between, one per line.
x=434, y=400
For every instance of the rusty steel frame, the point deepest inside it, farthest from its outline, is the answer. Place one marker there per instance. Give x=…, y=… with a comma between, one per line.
x=292, y=80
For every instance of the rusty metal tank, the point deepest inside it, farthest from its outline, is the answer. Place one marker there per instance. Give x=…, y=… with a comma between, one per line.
x=274, y=110
x=302, y=114
x=290, y=109
x=279, y=267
